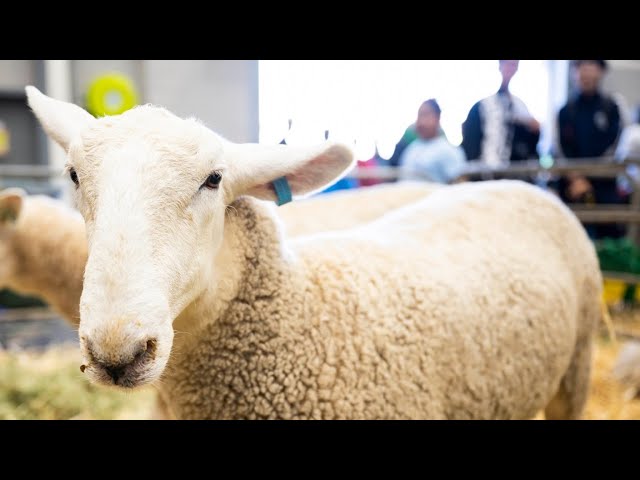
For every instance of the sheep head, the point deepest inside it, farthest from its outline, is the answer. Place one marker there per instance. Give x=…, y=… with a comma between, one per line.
x=153, y=190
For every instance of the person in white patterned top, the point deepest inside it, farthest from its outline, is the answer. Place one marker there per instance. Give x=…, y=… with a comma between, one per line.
x=500, y=129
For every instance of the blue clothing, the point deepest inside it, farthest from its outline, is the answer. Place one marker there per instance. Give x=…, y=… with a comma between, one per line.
x=343, y=184
x=434, y=160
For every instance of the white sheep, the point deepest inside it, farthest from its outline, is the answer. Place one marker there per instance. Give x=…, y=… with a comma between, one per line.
x=478, y=302
x=43, y=250
x=347, y=208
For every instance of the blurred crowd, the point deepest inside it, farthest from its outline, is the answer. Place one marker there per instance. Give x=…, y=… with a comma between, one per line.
x=500, y=130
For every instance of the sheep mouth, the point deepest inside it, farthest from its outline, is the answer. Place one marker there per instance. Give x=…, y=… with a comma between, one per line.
x=123, y=377
x=142, y=368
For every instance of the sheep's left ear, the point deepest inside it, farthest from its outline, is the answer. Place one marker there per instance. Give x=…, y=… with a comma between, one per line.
x=63, y=121
x=255, y=167
x=10, y=204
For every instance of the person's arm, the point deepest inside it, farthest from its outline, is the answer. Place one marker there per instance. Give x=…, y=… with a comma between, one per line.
x=523, y=117
x=613, y=132
x=408, y=137
x=394, y=161
x=454, y=167
x=571, y=187
x=472, y=134
x=566, y=134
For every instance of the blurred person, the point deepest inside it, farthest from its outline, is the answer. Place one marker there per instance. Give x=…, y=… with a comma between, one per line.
x=430, y=156
x=499, y=128
x=589, y=125
x=628, y=148
x=628, y=145
x=409, y=135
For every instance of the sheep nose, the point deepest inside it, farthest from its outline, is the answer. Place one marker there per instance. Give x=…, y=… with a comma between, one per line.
x=115, y=371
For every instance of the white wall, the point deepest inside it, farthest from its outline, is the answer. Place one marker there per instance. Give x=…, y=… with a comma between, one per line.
x=623, y=77
x=221, y=93
x=15, y=74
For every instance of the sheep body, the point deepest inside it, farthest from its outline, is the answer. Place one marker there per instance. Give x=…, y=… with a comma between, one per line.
x=477, y=302
x=44, y=251
x=346, y=208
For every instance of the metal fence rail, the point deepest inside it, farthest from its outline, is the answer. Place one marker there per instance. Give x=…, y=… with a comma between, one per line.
x=602, y=167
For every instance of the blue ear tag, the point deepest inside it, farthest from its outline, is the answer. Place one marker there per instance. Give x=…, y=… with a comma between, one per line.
x=283, y=191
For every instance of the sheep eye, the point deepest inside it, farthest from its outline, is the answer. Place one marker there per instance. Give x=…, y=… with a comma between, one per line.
x=74, y=176
x=213, y=180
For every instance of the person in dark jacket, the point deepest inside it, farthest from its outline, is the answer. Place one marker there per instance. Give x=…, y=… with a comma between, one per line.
x=589, y=125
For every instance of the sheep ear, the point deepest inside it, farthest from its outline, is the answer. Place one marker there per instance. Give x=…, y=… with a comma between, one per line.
x=10, y=204
x=307, y=169
x=62, y=121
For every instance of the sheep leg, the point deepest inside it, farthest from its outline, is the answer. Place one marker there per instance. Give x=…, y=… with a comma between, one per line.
x=571, y=397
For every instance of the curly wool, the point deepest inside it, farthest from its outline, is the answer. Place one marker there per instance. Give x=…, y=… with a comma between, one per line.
x=478, y=302
x=346, y=208
x=49, y=252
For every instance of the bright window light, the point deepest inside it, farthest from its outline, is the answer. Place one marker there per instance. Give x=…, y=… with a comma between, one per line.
x=371, y=102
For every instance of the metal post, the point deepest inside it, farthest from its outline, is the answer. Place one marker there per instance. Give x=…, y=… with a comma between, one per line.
x=58, y=86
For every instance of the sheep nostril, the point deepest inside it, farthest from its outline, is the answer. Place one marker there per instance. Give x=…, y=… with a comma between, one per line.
x=115, y=372
x=148, y=347
x=151, y=345
x=82, y=367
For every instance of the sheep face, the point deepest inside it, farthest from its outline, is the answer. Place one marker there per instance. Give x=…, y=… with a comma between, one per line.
x=11, y=201
x=153, y=190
